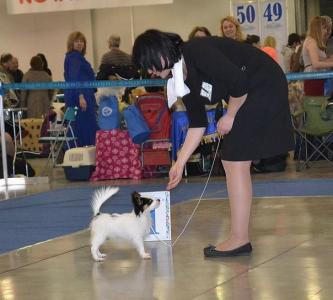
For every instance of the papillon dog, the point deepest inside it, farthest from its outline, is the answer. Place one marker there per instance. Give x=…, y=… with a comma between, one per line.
x=133, y=226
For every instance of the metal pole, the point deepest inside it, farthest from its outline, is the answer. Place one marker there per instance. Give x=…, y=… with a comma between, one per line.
x=3, y=139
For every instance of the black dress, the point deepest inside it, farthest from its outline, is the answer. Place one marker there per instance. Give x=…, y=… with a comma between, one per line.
x=221, y=67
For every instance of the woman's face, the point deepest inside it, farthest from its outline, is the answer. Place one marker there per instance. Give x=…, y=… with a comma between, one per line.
x=161, y=74
x=78, y=45
x=229, y=29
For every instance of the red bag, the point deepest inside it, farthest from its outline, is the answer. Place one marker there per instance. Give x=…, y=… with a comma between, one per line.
x=155, y=111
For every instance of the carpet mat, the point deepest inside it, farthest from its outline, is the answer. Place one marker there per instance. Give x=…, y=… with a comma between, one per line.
x=31, y=219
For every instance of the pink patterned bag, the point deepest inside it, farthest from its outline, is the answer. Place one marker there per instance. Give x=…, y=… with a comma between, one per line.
x=116, y=156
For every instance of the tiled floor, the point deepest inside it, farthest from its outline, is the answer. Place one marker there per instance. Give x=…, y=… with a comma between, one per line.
x=292, y=258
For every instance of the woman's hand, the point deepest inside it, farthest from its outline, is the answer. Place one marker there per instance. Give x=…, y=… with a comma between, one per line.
x=83, y=103
x=175, y=175
x=225, y=123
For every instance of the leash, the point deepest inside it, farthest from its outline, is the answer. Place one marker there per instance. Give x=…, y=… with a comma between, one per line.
x=196, y=206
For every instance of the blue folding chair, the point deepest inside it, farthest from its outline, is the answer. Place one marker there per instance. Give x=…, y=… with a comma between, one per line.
x=60, y=134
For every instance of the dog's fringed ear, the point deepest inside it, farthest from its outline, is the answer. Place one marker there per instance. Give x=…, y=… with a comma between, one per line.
x=136, y=199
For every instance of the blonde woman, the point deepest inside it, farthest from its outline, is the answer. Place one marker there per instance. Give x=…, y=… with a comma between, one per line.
x=269, y=47
x=77, y=68
x=230, y=28
x=314, y=55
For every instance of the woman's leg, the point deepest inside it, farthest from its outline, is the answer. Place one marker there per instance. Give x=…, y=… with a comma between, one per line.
x=239, y=187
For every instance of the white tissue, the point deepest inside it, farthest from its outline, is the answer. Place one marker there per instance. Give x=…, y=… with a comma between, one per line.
x=176, y=86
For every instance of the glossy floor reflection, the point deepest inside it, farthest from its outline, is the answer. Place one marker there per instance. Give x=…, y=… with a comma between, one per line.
x=292, y=240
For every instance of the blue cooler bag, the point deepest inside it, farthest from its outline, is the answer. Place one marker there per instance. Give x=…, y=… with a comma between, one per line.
x=136, y=125
x=108, y=116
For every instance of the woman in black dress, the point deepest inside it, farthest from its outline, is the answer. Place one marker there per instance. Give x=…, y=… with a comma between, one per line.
x=257, y=123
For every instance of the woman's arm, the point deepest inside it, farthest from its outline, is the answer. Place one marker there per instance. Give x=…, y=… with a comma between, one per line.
x=192, y=141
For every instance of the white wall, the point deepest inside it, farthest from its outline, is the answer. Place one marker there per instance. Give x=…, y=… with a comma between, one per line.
x=27, y=34
x=180, y=17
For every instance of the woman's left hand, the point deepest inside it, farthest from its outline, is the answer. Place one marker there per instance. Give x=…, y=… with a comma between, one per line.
x=83, y=103
x=175, y=175
x=225, y=123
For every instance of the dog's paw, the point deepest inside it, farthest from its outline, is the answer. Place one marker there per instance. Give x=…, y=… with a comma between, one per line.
x=99, y=259
x=101, y=255
x=146, y=256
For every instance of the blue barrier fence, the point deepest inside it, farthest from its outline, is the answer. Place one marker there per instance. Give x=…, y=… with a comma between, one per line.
x=132, y=83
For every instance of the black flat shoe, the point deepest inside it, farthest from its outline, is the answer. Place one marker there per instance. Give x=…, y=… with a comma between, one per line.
x=244, y=250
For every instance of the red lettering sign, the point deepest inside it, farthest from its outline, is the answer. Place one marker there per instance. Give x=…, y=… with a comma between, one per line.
x=30, y=1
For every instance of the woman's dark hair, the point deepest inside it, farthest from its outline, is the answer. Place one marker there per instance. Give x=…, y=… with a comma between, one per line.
x=5, y=58
x=294, y=38
x=199, y=28
x=153, y=44
x=252, y=39
x=36, y=63
x=45, y=63
x=43, y=58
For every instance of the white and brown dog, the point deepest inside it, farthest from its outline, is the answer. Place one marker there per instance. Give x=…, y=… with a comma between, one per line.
x=133, y=226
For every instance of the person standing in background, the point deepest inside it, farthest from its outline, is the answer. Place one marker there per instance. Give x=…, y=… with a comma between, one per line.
x=45, y=63
x=15, y=71
x=6, y=62
x=115, y=56
x=294, y=40
x=77, y=68
x=37, y=101
x=231, y=28
x=10, y=97
x=314, y=55
x=269, y=47
x=253, y=40
x=199, y=31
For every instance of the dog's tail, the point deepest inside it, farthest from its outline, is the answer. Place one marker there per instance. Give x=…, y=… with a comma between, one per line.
x=100, y=196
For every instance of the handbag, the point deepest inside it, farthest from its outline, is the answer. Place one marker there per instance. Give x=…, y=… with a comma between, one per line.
x=108, y=117
x=136, y=124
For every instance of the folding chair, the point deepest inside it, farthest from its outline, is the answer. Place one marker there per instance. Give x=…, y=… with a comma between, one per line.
x=315, y=134
x=60, y=134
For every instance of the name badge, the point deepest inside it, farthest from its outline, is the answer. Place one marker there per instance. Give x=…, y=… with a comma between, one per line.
x=206, y=90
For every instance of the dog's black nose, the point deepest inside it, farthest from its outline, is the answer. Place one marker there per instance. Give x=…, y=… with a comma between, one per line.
x=158, y=200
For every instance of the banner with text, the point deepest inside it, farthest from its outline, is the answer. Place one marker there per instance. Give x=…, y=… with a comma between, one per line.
x=37, y=6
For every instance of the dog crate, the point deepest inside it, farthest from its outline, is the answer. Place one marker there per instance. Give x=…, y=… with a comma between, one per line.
x=79, y=163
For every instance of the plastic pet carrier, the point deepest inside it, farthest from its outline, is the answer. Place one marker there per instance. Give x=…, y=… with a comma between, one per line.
x=79, y=163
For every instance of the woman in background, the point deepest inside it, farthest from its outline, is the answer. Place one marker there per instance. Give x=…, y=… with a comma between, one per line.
x=253, y=40
x=230, y=28
x=294, y=41
x=36, y=101
x=199, y=31
x=77, y=68
x=45, y=64
x=269, y=47
x=314, y=55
